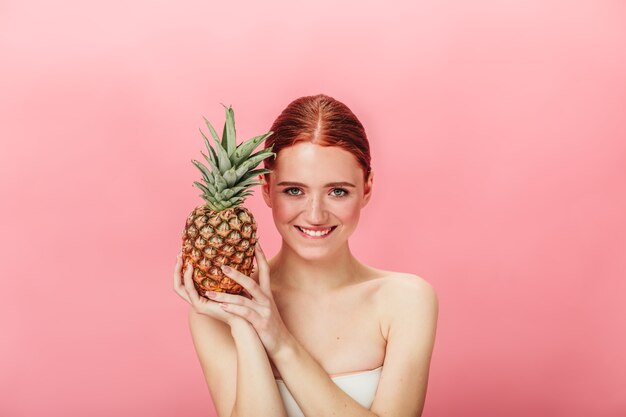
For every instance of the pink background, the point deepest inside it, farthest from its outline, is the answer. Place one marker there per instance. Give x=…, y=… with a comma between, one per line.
x=498, y=139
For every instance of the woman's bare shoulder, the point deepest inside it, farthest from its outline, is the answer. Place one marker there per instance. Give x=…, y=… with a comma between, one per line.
x=390, y=282
x=398, y=293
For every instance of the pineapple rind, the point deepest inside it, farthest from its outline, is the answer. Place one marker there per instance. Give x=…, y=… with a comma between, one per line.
x=212, y=239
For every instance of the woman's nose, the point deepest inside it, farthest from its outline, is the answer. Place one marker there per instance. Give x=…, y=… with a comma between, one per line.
x=315, y=211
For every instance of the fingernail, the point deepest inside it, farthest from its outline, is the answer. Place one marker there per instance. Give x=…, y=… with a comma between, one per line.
x=210, y=293
x=226, y=268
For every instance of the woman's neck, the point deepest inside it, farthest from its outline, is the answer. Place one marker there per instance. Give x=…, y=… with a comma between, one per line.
x=292, y=272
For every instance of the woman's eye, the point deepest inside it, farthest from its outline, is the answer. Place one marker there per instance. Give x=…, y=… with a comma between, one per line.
x=288, y=191
x=342, y=192
x=336, y=192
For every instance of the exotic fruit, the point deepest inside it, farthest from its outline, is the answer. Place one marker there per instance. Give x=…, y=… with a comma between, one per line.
x=221, y=231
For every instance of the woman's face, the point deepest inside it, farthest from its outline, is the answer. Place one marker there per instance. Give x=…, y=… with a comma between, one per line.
x=316, y=194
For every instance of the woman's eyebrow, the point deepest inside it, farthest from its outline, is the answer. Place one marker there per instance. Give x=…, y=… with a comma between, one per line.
x=330, y=184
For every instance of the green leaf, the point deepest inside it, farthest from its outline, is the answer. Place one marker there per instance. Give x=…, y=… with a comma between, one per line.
x=220, y=183
x=205, y=171
x=253, y=161
x=229, y=139
x=202, y=187
x=254, y=173
x=245, y=149
x=208, y=145
x=221, y=159
x=209, y=160
x=250, y=182
x=237, y=190
x=216, y=138
x=230, y=177
x=232, y=192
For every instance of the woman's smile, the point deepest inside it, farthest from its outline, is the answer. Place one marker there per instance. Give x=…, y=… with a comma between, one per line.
x=315, y=233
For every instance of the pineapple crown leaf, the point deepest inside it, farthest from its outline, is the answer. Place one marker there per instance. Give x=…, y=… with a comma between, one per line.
x=223, y=162
x=213, y=132
x=230, y=177
x=222, y=157
x=202, y=187
x=254, y=173
x=210, y=148
x=245, y=148
x=205, y=171
x=253, y=161
x=231, y=168
x=212, y=163
x=229, y=138
x=249, y=182
x=220, y=183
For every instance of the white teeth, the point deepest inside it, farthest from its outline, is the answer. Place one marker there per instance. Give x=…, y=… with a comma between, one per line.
x=315, y=233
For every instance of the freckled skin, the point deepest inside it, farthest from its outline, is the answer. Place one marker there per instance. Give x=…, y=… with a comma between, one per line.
x=315, y=282
x=316, y=166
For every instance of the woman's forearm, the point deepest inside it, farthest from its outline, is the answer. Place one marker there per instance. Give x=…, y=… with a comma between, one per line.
x=314, y=391
x=257, y=391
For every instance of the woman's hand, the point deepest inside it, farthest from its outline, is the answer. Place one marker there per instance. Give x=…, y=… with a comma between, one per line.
x=183, y=286
x=260, y=311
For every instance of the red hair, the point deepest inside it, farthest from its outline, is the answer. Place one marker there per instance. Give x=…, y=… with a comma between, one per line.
x=321, y=120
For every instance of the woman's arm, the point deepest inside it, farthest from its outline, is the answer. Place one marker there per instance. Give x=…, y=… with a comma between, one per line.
x=311, y=387
x=236, y=368
x=257, y=391
x=409, y=309
x=410, y=320
x=233, y=359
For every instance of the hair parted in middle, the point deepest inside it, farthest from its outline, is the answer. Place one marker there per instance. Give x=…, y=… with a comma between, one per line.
x=321, y=120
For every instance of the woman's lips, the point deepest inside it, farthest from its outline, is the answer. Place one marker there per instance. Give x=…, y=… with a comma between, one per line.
x=314, y=236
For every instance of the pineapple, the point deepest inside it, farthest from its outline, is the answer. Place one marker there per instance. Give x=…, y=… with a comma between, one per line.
x=221, y=231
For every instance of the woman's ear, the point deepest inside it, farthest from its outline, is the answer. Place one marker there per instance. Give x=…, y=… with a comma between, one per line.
x=367, y=189
x=265, y=189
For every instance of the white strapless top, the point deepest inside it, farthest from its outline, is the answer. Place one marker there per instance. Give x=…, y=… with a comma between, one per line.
x=361, y=386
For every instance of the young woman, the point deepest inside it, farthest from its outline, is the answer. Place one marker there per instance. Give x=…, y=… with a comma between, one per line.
x=321, y=334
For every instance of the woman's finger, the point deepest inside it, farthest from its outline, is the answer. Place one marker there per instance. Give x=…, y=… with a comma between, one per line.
x=190, y=288
x=264, y=268
x=222, y=297
x=247, y=313
x=178, y=284
x=245, y=281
